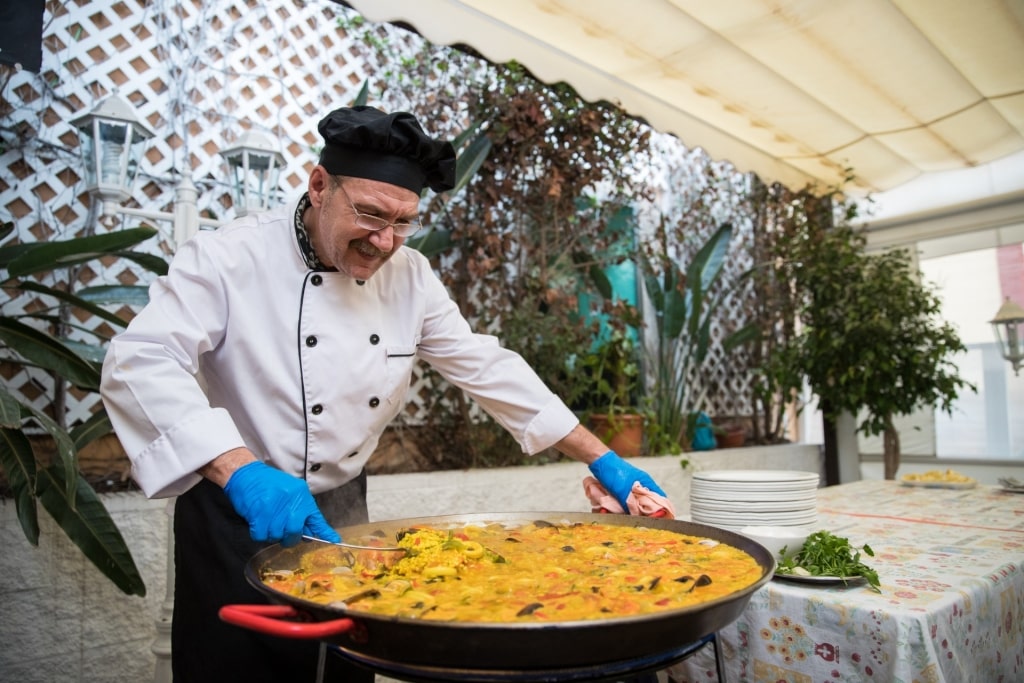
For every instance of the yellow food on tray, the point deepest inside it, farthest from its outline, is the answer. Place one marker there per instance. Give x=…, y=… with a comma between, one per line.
x=535, y=572
x=938, y=477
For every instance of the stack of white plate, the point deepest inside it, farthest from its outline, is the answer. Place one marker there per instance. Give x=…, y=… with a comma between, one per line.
x=733, y=499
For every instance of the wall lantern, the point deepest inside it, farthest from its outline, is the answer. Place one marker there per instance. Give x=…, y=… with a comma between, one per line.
x=1008, y=325
x=114, y=138
x=256, y=164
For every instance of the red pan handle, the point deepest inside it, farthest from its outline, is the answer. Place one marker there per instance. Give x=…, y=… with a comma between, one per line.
x=271, y=620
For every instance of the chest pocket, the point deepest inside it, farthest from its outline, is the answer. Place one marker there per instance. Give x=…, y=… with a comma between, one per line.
x=400, y=362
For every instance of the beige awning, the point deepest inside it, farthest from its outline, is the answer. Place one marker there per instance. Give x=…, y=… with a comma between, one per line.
x=794, y=90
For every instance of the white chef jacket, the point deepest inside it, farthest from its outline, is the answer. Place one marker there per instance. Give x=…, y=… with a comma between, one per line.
x=243, y=345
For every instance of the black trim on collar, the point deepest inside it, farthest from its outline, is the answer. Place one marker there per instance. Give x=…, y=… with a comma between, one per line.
x=302, y=237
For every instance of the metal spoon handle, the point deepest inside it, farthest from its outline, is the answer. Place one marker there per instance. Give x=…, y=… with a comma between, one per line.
x=350, y=546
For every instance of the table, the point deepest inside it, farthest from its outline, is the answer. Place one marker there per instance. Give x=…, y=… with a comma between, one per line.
x=951, y=607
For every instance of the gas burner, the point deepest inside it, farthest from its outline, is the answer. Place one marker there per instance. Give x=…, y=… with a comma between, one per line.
x=637, y=670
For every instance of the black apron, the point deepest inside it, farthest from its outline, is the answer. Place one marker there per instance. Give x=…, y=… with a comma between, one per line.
x=211, y=549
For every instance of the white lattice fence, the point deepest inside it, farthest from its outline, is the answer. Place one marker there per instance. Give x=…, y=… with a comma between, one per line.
x=199, y=73
x=728, y=372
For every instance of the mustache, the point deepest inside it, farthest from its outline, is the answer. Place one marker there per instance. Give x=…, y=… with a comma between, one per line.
x=367, y=249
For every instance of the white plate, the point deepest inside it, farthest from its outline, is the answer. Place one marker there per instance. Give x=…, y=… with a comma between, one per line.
x=751, y=493
x=753, y=514
x=755, y=483
x=737, y=500
x=751, y=520
x=940, y=484
x=822, y=580
x=753, y=496
x=807, y=485
x=810, y=520
x=739, y=509
x=705, y=488
x=757, y=476
x=738, y=525
x=755, y=506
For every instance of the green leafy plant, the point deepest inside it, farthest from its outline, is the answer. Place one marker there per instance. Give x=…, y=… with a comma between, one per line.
x=727, y=427
x=782, y=221
x=871, y=340
x=608, y=384
x=38, y=341
x=535, y=216
x=684, y=304
x=729, y=433
x=607, y=378
x=825, y=554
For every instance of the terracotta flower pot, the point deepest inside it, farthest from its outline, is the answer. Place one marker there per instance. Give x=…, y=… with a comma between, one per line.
x=731, y=439
x=624, y=433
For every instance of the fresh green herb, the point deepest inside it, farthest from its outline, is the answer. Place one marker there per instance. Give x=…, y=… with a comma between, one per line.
x=824, y=554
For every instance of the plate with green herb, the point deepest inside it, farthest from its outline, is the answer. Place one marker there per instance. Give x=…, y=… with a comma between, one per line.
x=827, y=559
x=822, y=580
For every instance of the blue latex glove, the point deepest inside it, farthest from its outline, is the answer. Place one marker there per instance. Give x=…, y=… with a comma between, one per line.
x=278, y=506
x=618, y=476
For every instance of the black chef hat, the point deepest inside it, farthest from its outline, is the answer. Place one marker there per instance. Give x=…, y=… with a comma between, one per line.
x=367, y=143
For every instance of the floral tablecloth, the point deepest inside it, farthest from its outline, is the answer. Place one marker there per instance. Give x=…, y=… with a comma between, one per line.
x=951, y=607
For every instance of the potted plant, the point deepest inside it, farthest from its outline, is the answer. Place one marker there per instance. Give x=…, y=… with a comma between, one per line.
x=39, y=341
x=729, y=434
x=684, y=299
x=609, y=382
x=874, y=342
x=863, y=333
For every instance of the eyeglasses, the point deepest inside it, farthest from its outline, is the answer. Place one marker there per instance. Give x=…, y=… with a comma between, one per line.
x=368, y=221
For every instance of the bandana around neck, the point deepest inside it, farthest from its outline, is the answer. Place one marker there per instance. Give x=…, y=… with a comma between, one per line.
x=302, y=236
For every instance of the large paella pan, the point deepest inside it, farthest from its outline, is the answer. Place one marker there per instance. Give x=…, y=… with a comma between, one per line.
x=502, y=645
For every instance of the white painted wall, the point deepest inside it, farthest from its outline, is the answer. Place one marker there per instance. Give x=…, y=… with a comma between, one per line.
x=61, y=619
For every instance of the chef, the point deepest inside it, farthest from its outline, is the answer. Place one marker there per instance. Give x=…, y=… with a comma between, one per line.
x=257, y=382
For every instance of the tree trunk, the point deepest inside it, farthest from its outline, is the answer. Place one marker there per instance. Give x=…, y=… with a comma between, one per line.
x=831, y=444
x=891, y=441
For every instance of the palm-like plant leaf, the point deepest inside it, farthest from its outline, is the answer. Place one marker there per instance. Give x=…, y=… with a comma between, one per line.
x=363, y=95
x=73, y=300
x=468, y=132
x=684, y=313
x=66, y=453
x=19, y=462
x=57, y=321
x=96, y=426
x=708, y=261
x=470, y=160
x=128, y=295
x=48, y=256
x=431, y=243
x=89, y=352
x=10, y=409
x=152, y=263
x=675, y=302
x=65, y=494
x=89, y=526
x=11, y=252
x=47, y=352
x=745, y=335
